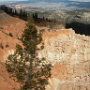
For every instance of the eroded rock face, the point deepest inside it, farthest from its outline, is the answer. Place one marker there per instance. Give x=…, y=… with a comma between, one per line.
x=70, y=53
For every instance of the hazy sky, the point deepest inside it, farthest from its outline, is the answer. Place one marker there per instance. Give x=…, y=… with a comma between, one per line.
x=51, y=3
x=13, y=0
x=51, y=0
x=80, y=0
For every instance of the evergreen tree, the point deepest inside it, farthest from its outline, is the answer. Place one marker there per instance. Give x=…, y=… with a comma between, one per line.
x=35, y=16
x=24, y=64
x=21, y=13
x=15, y=12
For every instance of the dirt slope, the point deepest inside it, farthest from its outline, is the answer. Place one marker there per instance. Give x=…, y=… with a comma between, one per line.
x=8, y=25
x=6, y=83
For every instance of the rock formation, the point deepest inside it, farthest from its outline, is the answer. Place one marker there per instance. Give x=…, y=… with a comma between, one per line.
x=69, y=53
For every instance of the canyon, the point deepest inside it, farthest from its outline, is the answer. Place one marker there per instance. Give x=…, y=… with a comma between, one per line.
x=67, y=51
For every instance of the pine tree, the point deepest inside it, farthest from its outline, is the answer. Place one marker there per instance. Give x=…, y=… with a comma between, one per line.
x=24, y=64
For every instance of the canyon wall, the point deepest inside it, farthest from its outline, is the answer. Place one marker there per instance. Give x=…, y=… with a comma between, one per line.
x=70, y=55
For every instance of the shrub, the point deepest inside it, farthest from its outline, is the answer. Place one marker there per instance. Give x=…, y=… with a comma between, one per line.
x=10, y=34
x=1, y=45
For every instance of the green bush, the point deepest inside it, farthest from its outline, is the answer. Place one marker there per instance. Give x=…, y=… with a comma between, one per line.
x=10, y=34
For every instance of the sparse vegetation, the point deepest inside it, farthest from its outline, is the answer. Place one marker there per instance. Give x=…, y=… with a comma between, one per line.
x=42, y=31
x=42, y=47
x=7, y=45
x=10, y=34
x=1, y=46
x=79, y=28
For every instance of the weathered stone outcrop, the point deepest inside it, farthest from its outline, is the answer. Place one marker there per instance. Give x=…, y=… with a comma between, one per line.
x=70, y=54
